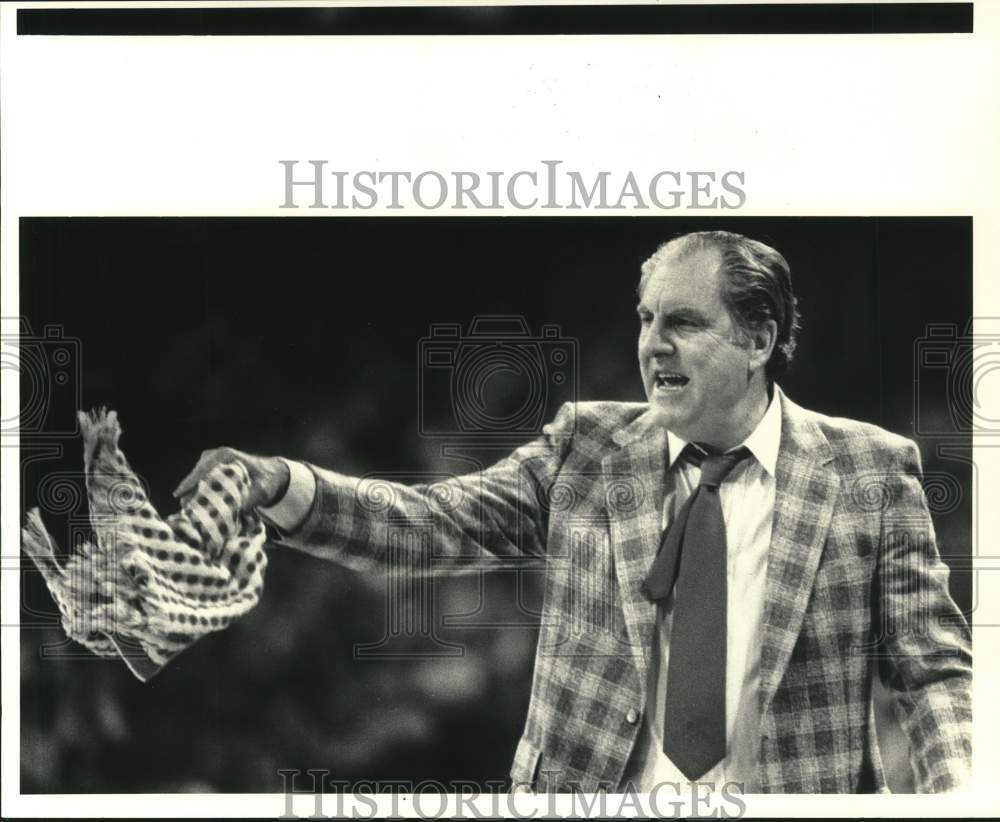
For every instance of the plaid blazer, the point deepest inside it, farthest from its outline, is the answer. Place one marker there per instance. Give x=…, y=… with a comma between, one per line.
x=854, y=586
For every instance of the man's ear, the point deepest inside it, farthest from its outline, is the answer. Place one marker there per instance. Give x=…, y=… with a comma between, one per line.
x=762, y=341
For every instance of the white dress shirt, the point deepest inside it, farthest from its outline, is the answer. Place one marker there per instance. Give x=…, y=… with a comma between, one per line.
x=747, y=497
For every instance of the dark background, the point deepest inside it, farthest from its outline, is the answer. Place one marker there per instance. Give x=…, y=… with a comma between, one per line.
x=300, y=337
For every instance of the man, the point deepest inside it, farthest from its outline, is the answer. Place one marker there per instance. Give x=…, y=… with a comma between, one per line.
x=726, y=572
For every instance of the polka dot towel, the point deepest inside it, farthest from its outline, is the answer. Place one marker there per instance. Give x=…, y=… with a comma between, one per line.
x=149, y=587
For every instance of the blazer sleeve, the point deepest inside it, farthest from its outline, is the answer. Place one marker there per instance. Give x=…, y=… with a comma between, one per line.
x=454, y=524
x=926, y=659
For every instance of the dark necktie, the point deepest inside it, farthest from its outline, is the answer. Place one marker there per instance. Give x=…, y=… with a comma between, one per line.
x=693, y=554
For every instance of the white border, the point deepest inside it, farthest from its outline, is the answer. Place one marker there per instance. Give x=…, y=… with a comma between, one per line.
x=845, y=125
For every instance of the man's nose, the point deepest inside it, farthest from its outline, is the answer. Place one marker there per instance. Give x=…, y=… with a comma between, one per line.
x=657, y=341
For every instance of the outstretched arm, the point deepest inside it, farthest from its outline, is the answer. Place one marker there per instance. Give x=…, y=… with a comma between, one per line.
x=492, y=514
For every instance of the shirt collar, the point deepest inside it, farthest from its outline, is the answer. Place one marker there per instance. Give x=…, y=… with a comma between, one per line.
x=763, y=442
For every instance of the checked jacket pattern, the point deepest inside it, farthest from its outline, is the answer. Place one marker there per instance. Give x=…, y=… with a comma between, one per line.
x=855, y=588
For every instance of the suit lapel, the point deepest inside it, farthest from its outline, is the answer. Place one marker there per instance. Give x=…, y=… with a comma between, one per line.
x=806, y=491
x=633, y=483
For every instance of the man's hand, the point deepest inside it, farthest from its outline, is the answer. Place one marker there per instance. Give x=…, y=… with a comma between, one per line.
x=269, y=476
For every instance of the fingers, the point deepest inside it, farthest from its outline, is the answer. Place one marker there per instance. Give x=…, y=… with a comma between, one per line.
x=270, y=482
x=208, y=460
x=268, y=476
x=256, y=496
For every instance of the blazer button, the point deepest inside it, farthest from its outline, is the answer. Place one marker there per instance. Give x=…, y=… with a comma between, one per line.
x=632, y=716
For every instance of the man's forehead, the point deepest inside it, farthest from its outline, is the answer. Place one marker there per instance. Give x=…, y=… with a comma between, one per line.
x=689, y=277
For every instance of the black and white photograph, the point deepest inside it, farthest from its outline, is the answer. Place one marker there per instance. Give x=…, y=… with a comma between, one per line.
x=354, y=468
x=461, y=438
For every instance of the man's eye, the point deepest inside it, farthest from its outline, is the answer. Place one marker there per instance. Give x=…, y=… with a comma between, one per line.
x=645, y=319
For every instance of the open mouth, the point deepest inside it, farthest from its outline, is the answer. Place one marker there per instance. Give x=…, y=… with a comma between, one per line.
x=669, y=380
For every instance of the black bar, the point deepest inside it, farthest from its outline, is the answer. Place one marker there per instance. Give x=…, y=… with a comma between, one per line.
x=752, y=18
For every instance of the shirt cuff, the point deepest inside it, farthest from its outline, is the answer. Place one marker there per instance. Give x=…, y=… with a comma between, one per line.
x=290, y=511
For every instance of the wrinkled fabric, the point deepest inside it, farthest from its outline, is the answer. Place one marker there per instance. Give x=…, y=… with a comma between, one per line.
x=148, y=587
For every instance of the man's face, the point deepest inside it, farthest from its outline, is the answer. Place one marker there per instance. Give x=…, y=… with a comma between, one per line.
x=694, y=369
